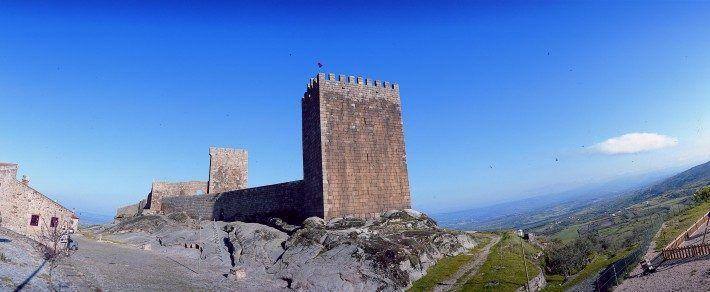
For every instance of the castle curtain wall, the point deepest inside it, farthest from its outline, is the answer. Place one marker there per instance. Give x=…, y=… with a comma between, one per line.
x=258, y=204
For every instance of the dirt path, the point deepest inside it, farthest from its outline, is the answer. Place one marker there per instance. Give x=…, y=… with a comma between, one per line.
x=469, y=269
x=112, y=267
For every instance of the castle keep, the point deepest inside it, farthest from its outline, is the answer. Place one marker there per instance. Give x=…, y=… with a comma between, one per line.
x=354, y=163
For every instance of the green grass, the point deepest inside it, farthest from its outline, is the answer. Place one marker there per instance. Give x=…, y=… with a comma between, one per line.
x=504, y=269
x=555, y=283
x=599, y=262
x=447, y=267
x=679, y=223
x=568, y=234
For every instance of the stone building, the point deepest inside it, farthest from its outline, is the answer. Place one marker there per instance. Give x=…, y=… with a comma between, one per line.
x=161, y=190
x=28, y=212
x=354, y=163
x=228, y=170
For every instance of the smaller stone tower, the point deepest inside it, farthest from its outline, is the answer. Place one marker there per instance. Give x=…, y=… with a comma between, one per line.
x=228, y=170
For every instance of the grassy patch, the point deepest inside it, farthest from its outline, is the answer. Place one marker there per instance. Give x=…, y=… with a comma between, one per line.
x=447, y=267
x=555, y=283
x=599, y=262
x=568, y=234
x=504, y=269
x=679, y=223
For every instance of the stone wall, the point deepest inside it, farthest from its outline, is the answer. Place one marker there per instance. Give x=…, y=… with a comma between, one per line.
x=353, y=146
x=19, y=202
x=8, y=170
x=228, y=170
x=130, y=210
x=160, y=190
x=258, y=204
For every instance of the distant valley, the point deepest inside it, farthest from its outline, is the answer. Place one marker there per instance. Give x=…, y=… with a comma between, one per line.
x=532, y=211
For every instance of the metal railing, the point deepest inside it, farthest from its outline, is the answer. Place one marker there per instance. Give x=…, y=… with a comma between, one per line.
x=614, y=274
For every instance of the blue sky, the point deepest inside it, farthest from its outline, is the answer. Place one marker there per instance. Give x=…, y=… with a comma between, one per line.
x=498, y=98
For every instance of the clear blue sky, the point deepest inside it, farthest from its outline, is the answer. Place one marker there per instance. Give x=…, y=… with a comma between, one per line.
x=498, y=99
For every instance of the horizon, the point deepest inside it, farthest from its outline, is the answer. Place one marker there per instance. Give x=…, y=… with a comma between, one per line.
x=520, y=103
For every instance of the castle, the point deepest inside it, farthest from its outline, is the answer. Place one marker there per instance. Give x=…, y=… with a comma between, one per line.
x=28, y=212
x=354, y=163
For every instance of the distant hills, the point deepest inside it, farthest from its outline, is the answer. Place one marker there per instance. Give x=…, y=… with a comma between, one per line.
x=89, y=218
x=530, y=211
x=683, y=183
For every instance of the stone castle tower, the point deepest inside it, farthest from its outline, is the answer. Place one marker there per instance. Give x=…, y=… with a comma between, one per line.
x=354, y=161
x=228, y=170
x=354, y=164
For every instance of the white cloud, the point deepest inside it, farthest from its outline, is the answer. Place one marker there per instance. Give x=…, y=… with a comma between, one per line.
x=634, y=143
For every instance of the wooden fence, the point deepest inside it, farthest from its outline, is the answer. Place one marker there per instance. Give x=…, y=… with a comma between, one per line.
x=685, y=235
x=674, y=251
x=687, y=251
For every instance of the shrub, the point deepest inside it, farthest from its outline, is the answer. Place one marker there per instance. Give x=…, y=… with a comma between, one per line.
x=570, y=258
x=702, y=195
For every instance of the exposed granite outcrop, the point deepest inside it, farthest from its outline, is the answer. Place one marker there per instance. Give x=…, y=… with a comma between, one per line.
x=384, y=253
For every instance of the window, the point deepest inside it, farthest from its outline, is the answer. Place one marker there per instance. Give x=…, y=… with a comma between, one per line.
x=34, y=221
x=54, y=222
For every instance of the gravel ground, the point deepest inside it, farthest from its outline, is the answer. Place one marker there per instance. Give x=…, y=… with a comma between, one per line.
x=679, y=275
x=697, y=237
x=673, y=276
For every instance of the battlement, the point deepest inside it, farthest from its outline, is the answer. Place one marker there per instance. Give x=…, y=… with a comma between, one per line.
x=350, y=80
x=351, y=87
x=215, y=150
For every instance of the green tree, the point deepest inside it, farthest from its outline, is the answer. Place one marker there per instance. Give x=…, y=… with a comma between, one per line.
x=702, y=195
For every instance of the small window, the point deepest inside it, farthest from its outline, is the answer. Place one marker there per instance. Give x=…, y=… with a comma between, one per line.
x=34, y=221
x=54, y=222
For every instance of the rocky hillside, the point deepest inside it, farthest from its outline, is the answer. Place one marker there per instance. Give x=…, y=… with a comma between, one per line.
x=386, y=253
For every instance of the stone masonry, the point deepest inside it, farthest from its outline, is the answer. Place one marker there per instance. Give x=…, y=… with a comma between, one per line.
x=8, y=170
x=28, y=212
x=228, y=169
x=353, y=146
x=257, y=204
x=354, y=162
x=161, y=190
